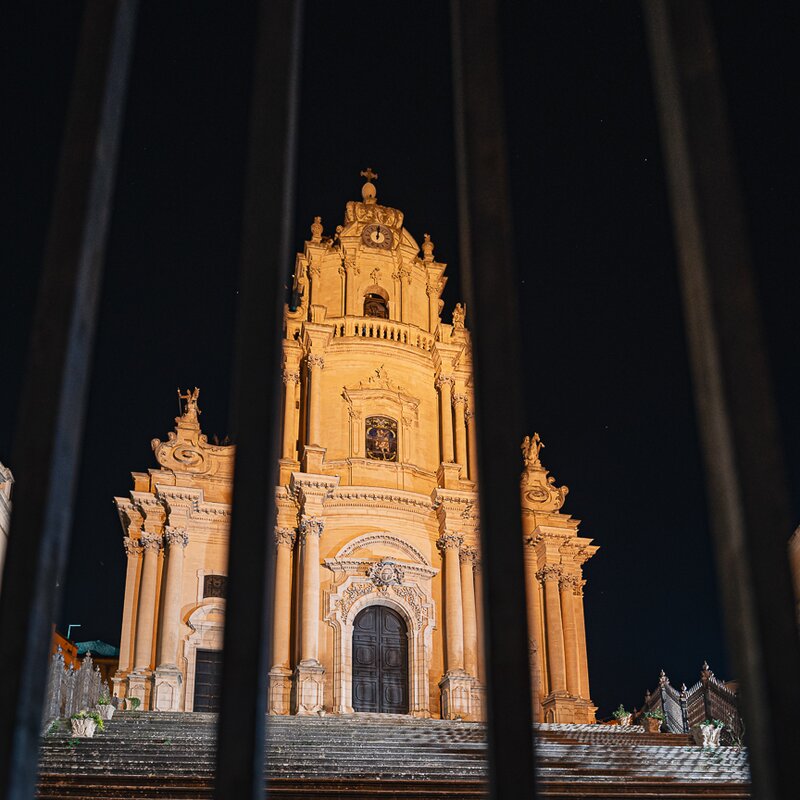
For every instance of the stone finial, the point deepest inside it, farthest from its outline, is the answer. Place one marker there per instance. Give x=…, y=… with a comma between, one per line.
x=368, y=192
x=191, y=410
x=459, y=314
x=427, y=248
x=316, y=230
x=663, y=680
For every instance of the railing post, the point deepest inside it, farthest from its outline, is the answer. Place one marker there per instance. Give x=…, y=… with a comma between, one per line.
x=488, y=270
x=266, y=254
x=738, y=425
x=49, y=431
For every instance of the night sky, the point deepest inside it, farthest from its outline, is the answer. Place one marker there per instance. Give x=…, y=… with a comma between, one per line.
x=606, y=372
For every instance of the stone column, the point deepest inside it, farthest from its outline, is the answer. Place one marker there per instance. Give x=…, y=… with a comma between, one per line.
x=290, y=381
x=534, y=610
x=469, y=417
x=444, y=384
x=467, y=558
x=133, y=549
x=459, y=407
x=315, y=366
x=139, y=680
x=580, y=629
x=567, y=584
x=168, y=678
x=280, y=683
x=310, y=673
x=478, y=579
x=456, y=685
x=554, y=631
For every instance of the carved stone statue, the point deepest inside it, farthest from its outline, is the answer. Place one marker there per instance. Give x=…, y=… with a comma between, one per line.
x=316, y=230
x=191, y=409
x=459, y=314
x=531, y=446
x=427, y=248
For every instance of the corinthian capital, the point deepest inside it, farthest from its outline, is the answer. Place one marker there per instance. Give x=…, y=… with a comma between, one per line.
x=152, y=541
x=459, y=399
x=176, y=537
x=285, y=537
x=468, y=553
x=441, y=380
x=313, y=360
x=311, y=526
x=291, y=377
x=133, y=547
x=550, y=572
x=568, y=582
x=449, y=541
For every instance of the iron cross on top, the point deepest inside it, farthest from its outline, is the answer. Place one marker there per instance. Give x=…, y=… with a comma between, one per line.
x=369, y=174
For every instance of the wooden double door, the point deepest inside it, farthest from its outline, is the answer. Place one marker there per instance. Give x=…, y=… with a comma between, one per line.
x=380, y=661
x=207, y=679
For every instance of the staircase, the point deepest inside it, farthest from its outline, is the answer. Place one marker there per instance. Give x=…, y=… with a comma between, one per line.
x=148, y=755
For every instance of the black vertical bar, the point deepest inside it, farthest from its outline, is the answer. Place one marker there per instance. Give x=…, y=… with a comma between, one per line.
x=269, y=204
x=48, y=438
x=748, y=502
x=488, y=268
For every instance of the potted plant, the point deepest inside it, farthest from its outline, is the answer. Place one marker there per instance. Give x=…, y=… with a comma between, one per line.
x=622, y=716
x=134, y=703
x=652, y=720
x=104, y=707
x=84, y=724
x=707, y=733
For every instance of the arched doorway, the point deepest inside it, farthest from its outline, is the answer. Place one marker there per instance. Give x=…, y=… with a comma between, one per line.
x=380, y=661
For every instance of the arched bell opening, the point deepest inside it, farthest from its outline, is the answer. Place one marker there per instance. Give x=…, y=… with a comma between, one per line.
x=376, y=303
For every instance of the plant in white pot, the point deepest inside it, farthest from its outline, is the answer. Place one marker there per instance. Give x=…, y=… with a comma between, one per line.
x=622, y=716
x=104, y=707
x=84, y=724
x=707, y=733
x=652, y=720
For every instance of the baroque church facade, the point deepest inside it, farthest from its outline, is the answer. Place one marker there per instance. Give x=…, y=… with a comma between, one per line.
x=377, y=586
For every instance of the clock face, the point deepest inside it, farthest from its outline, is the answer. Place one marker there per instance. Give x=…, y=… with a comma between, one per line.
x=377, y=236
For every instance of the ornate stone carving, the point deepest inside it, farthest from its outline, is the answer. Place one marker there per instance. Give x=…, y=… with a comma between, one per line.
x=449, y=540
x=403, y=271
x=459, y=314
x=151, y=541
x=443, y=379
x=176, y=537
x=316, y=229
x=351, y=594
x=285, y=537
x=427, y=248
x=311, y=526
x=371, y=539
x=412, y=598
x=550, y=572
x=458, y=399
x=191, y=410
x=568, y=581
x=291, y=376
x=313, y=360
x=133, y=547
x=386, y=572
x=531, y=447
x=467, y=553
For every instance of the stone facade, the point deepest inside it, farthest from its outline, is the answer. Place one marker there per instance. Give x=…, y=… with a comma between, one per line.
x=6, y=485
x=377, y=504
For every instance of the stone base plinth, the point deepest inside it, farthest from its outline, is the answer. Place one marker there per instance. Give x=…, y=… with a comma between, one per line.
x=140, y=684
x=456, y=687
x=448, y=476
x=167, y=692
x=280, y=691
x=309, y=684
x=585, y=711
x=313, y=457
x=559, y=707
x=477, y=702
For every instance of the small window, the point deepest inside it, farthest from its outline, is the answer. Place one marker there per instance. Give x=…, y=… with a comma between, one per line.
x=215, y=585
x=381, y=438
x=376, y=306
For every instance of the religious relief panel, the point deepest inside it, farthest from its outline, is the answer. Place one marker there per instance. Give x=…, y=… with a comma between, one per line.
x=381, y=444
x=215, y=585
